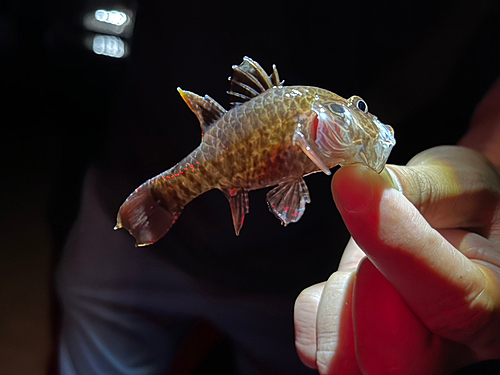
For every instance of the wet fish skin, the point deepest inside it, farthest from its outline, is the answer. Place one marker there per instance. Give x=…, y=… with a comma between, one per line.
x=270, y=139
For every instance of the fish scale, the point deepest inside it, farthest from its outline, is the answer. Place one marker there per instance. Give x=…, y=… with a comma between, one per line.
x=273, y=135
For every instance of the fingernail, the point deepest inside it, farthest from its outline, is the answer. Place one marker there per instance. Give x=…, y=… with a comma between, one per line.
x=391, y=178
x=353, y=188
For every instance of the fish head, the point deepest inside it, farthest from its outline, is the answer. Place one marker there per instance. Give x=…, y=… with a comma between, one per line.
x=345, y=132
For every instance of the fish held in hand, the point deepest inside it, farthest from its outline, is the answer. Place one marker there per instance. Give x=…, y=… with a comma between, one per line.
x=272, y=135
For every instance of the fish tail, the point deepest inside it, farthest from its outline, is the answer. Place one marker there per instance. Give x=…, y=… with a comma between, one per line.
x=148, y=213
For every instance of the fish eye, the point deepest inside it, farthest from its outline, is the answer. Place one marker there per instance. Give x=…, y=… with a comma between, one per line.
x=359, y=103
x=361, y=106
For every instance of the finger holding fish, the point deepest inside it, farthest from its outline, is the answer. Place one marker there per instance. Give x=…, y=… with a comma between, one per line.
x=419, y=292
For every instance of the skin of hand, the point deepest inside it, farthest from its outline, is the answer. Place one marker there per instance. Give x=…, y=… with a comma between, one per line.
x=418, y=287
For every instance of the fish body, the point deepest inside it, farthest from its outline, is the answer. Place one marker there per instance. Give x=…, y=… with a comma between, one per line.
x=272, y=135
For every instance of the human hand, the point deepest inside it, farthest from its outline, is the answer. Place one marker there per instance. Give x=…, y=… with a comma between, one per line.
x=426, y=297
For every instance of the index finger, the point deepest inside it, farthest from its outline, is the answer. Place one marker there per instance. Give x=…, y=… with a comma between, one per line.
x=452, y=187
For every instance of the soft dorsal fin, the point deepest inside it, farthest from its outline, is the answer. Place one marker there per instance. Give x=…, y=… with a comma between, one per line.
x=250, y=80
x=205, y=108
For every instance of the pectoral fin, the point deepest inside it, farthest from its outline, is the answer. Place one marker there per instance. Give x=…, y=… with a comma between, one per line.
x=288, y=201
x=300, y=140
x=238, y=200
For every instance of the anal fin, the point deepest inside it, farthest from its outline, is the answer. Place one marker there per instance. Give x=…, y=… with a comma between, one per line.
x=238, y=200
x=288, y=201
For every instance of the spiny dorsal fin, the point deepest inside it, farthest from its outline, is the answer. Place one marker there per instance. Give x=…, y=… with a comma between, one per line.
x=250, y=80
x=205, y=108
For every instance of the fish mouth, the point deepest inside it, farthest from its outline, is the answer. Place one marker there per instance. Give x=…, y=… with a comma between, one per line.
x=380, y=148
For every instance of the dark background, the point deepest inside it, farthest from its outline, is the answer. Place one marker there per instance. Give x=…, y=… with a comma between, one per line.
x=421, y=67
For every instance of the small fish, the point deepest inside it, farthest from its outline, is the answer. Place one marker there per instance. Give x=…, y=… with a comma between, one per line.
x=272, y=135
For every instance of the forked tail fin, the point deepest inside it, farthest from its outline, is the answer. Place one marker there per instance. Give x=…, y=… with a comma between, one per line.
x=147, y=214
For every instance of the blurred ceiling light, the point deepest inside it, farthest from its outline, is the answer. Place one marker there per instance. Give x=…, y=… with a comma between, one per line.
x=108, y=45
x=114, y=22
x=113, y=17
